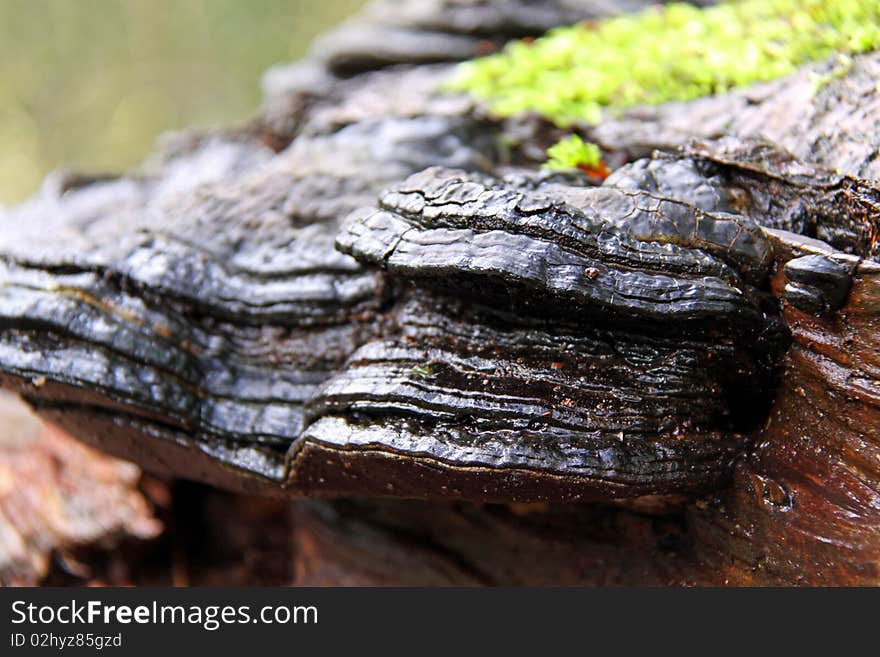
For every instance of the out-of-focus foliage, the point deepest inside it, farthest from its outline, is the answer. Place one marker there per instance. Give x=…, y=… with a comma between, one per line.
x=89, y=84
x=678, y=52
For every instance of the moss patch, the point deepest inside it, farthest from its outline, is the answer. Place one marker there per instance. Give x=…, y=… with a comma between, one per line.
x=574, y=153
x=676, y=52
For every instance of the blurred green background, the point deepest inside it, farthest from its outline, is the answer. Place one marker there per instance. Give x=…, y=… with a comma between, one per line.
x=89, y=84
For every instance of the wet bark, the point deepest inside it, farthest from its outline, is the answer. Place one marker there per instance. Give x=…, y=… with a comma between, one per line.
x=669, y=377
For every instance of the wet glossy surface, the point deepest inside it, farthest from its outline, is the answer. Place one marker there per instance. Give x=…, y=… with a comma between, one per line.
x=358, y=296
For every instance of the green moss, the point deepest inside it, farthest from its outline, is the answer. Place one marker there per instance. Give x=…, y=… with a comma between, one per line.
x=423, y=371
x=676, y=52
x=573, y=153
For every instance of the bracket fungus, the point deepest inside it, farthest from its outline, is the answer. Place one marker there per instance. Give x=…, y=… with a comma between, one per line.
x=364, y=295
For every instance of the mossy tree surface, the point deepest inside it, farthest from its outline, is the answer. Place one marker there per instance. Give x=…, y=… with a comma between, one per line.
x=676, y=52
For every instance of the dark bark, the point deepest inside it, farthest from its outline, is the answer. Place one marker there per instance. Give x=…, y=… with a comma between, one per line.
x=369, y=292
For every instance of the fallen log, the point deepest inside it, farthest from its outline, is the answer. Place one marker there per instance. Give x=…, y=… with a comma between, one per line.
x=669, y=377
